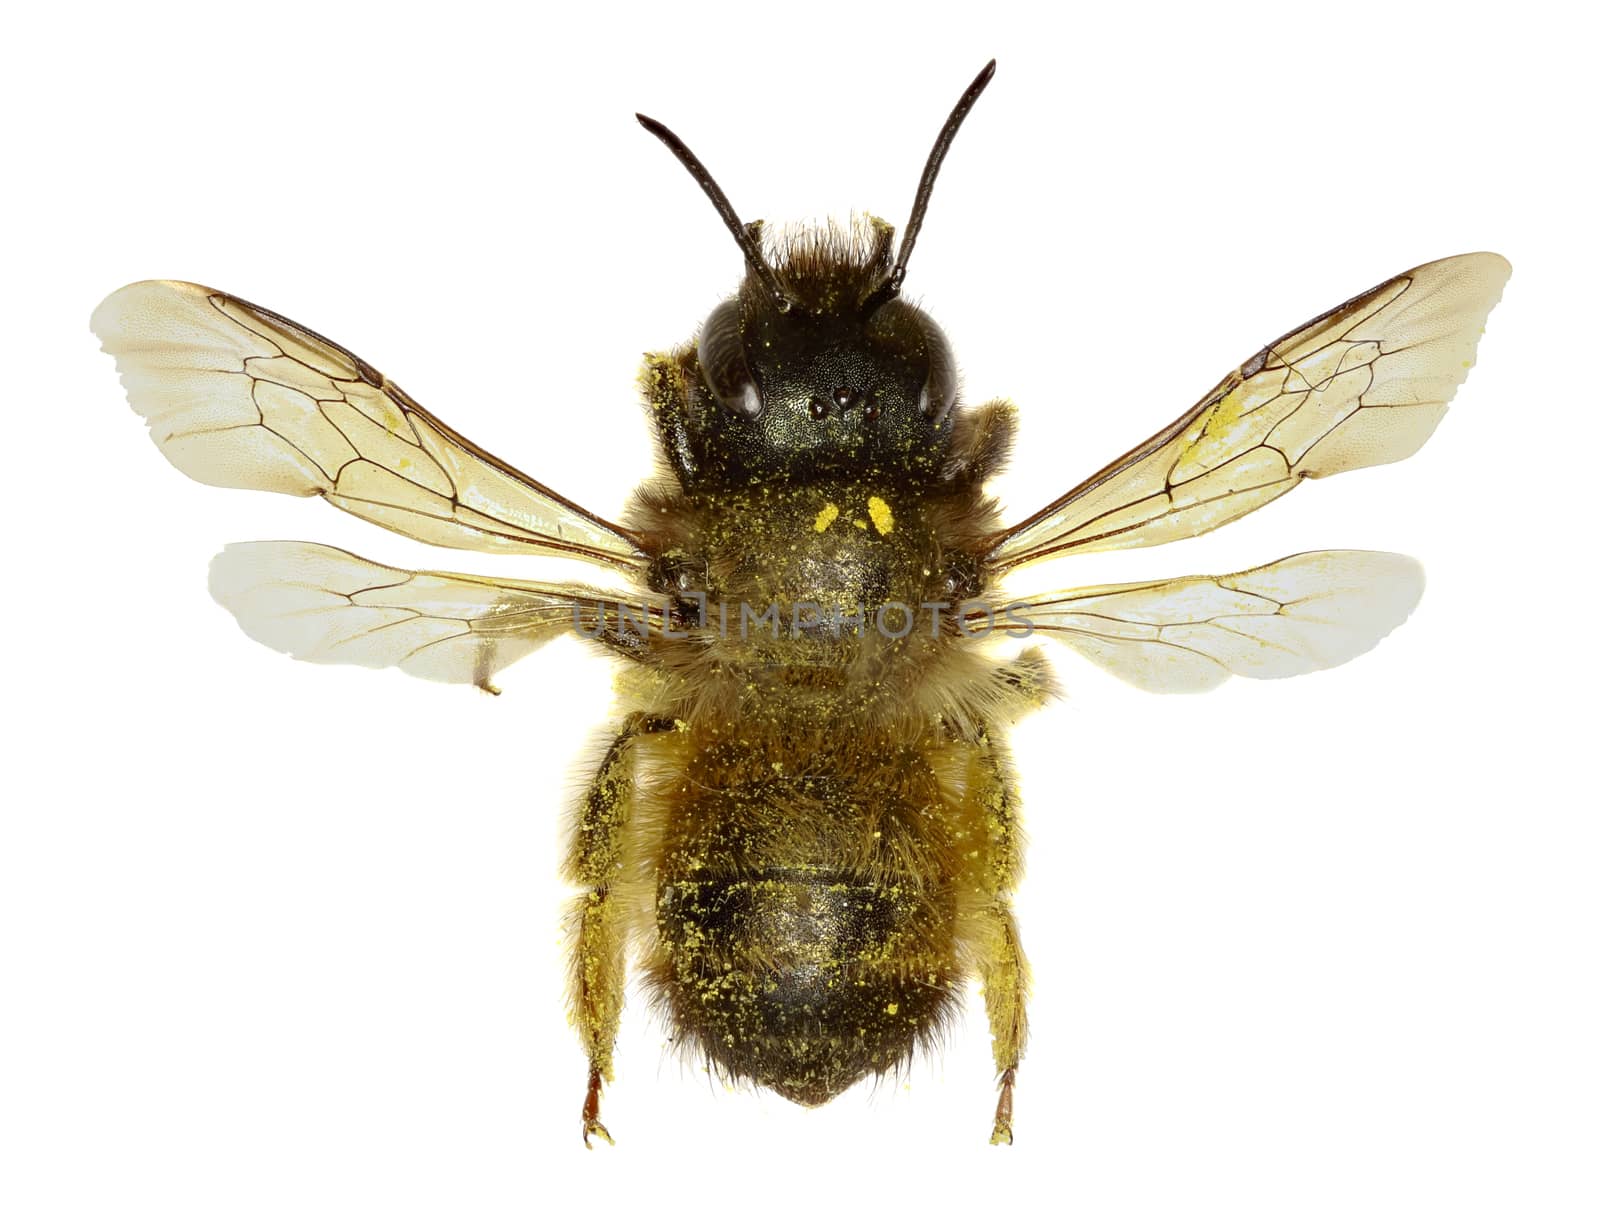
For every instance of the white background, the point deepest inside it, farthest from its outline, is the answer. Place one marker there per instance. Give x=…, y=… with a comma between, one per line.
x=280, y=942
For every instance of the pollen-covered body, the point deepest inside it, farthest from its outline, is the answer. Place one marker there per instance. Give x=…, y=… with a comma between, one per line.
x=816, y=834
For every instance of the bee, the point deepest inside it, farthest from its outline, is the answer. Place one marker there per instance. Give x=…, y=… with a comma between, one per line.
x=804, y=828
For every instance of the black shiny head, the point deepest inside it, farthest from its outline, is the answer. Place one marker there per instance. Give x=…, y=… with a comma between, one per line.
x=816, y=366
x=823, y=385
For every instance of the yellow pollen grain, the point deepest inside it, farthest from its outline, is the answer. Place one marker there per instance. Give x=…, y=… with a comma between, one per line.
x=825, y=518
x=859, y=524
x=882, y=515
x=892, y=1009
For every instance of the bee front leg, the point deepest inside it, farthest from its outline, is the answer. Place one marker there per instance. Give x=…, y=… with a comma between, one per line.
x=596, y=922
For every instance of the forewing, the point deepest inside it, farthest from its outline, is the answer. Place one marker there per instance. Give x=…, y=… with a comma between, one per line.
x=1301, y=614
x=1362, y=385
x=238, y=396
x=321, y=604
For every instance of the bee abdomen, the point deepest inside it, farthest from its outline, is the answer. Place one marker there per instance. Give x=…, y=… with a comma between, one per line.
x=804, y=980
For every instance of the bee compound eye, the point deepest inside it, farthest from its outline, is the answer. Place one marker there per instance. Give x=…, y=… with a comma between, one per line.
x=938, y=393
x=723, y=363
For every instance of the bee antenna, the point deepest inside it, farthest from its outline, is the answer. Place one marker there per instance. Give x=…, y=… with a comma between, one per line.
x=889, y=288
x=748, y=243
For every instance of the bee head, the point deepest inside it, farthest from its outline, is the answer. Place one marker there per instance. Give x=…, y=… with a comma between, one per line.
x=824, y=378
x=817, y=364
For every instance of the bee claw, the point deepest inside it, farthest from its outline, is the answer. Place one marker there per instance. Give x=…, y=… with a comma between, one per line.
x=591, y=1112
x=1002, y=1112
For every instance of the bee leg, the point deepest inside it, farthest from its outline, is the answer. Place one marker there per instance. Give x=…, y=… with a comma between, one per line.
x=999, y=960
x=1004, y=971
x=591, y=1112
x=599, y=972
x=599, y=929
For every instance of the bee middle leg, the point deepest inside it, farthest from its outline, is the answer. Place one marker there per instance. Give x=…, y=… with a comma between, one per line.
x=596, y=920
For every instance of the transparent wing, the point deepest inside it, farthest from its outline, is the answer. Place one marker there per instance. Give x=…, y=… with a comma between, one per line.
x=320, y=604
x=1362, y=385
x=1301, y=614
x=238, y=396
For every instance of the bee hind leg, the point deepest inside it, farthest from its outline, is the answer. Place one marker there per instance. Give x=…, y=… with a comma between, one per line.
x=991, y=928
x=591, y=1112
x=599, y=972
x=1004, y=971
x=596, y=922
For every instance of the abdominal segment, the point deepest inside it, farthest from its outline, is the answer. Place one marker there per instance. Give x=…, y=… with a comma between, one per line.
x=804, y=979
